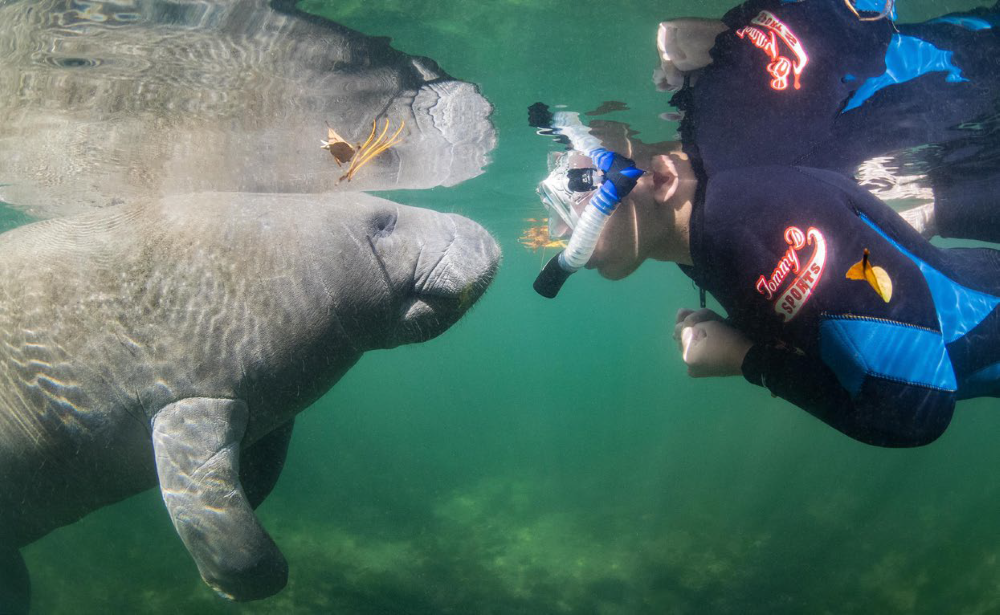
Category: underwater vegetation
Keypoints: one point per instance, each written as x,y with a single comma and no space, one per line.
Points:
509,544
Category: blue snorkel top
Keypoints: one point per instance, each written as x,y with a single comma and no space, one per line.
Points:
618,176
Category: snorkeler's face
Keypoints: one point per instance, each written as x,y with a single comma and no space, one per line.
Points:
638,226
618,252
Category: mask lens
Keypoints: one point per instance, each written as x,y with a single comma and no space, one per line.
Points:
557,228
566,190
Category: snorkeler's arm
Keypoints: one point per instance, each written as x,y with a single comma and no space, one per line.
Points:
868,358
809,384
885,414
795,377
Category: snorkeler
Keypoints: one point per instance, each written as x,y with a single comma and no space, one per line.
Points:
835,303
832,83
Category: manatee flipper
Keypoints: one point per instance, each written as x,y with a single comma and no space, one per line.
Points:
15,586
196,442
261,464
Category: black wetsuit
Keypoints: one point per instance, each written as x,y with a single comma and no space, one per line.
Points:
809,83
774,244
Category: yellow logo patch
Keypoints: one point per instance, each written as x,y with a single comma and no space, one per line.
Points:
877,277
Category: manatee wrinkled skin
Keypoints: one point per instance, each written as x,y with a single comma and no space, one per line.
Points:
174,343
104,103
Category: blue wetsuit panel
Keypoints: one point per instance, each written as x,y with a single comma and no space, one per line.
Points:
856,348
959,309
906,59
984,383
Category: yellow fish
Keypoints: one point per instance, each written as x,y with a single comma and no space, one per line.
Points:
877,277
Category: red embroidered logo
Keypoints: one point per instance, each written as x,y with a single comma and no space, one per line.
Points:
788,303
766,39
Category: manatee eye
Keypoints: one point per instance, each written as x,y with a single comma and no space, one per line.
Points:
73,62
383,225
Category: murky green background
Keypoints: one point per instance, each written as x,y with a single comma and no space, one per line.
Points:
552,456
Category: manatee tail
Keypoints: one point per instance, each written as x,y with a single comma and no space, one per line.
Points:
15,586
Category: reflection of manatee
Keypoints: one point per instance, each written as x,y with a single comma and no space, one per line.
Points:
104,102
176,342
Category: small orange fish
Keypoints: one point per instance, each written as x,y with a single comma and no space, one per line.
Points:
877,277
537,237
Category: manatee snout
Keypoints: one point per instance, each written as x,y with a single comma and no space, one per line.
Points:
463,268
454,266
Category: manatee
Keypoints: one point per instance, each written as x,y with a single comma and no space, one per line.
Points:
173,344
104,103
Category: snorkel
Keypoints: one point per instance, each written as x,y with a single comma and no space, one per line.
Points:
618,177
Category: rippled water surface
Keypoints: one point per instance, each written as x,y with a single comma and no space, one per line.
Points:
551,456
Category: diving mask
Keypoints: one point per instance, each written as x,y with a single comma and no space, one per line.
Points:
564,192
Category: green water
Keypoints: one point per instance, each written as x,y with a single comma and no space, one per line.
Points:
530,462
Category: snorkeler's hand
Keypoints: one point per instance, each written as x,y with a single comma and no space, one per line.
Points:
708,346
683,45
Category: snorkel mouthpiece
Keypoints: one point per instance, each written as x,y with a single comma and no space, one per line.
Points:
551,278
